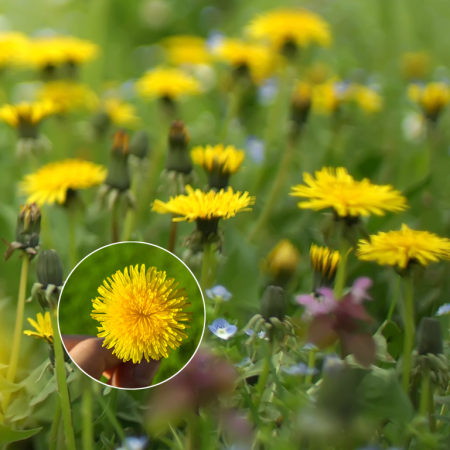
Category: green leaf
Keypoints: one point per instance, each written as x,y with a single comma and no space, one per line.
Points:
7,386
107,444
49,388
19,408
382,353
7,435
383,396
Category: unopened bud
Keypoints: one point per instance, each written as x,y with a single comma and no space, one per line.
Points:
301,105
282,262
49,268
178,157
118,171
28,225
273,303
429,337
139,144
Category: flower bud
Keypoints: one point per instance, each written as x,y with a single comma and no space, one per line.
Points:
301,105
324,262
273,303
429,337
139,144
282,262
49,268
118,171
178,157
101,122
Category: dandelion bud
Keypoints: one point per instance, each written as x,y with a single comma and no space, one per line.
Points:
118,172
429,337
178,157
101,122
139,144
301,105
49,268
282,263
273,303
324,262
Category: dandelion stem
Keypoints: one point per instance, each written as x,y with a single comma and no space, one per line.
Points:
130,218
311,365
115,223
409,331
424,397
394,300
262,381
173,235
341,274
204,282
62,384
280,180
86,407
18,329
55,426
72,239
234,98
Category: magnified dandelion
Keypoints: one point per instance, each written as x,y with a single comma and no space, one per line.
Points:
141,314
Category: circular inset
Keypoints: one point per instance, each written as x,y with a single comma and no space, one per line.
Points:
131,315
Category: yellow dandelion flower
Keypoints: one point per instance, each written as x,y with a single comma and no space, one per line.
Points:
205,205
335,188
368,100
121,113
25,113
259,60
53,51
43,327
328,97
404,247
68,95
432,97
318,73
167,83
299,27
11,46
283,258
324,262
302,96
51,182
187,50
226,160
141,314
415,65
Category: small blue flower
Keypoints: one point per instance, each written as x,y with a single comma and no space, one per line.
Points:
267,91
214,40
300,369
310,347
444,309
219,293
331,364
250,332
222,329
255,148
134,443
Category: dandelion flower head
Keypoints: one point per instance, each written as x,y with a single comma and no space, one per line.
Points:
402,247
186,50
43,327
27,113
337,189
141,314
225,158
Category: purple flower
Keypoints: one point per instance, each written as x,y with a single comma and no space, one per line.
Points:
300,369
219,293
222,329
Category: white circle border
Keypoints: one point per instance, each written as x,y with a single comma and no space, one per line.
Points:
193,276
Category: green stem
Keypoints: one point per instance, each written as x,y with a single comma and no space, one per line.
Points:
72,239
113,420
424,394
216,308
88,432
55,427
62,384
115,223
205,266
262,381
311,365
172,235
193,432
18,329
341,274
232,110
394,300
409,331
279,182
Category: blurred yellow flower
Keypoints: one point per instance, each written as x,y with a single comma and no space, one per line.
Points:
51,182
283,258
53,51
368,100
259,60
43,327
68,95
302,95
187,50
432,97
329,96
205,205
415,65
120,112
167,83
25,113
324,261
284,27
335,188
318,73
141,314
11,47
404,247
225,160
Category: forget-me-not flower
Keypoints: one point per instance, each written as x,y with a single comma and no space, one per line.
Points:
222,329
